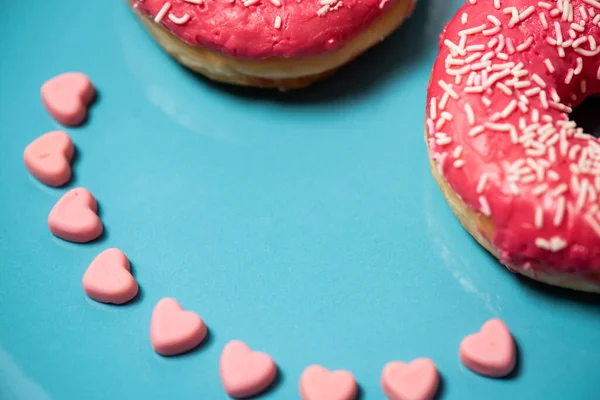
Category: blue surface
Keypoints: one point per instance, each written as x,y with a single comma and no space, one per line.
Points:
306,224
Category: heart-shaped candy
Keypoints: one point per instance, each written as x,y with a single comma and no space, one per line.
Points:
245,373
67,96
173,330
317,383
48,158
108,278
74,217
491,351
417,380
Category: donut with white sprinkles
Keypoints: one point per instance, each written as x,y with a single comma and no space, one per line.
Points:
521,176
269,43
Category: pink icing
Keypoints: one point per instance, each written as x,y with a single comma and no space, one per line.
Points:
491,351
417,380
108,278
262,29
74,217
245,373
317,383
173,330
66,97
48,158
505,80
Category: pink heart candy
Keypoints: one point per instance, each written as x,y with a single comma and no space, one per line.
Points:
417,380
108,278
48,158
245,373
491,351
317,383
173,330
74,217
67,96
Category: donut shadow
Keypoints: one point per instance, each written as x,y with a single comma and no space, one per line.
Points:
396,55
586,115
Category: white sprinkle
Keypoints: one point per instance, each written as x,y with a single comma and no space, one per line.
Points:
163,11
448,89
470,114
491,31
579,67
472,57
249,3
457,151
475,47
593,3
502,56
179,21
544,99
580,41
539,80
442,103
453,47
538,190
545,5
497,4
458,163
493,41
510,46
509,109
526,13
507,91
485,207
476,130
277,25
463,18
543,20
494,20
487,102
539,217
560,211
471,31
559,190
532,91
433,109
569,76
481,184
276,3
525,45
194,1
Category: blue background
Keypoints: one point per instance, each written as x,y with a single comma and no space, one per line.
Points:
305,224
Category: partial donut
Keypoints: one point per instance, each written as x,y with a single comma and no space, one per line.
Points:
522,178
284,44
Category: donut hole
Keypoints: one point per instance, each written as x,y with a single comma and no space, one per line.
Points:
586,115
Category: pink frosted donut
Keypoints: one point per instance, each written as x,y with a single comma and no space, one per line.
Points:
523,179
269,43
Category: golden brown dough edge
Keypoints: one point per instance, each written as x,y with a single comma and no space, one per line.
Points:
482,227
275,72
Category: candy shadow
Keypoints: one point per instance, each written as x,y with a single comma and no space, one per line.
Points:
277,383
205,345
441,388
395,55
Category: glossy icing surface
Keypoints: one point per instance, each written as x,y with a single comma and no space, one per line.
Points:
259,29
498,103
